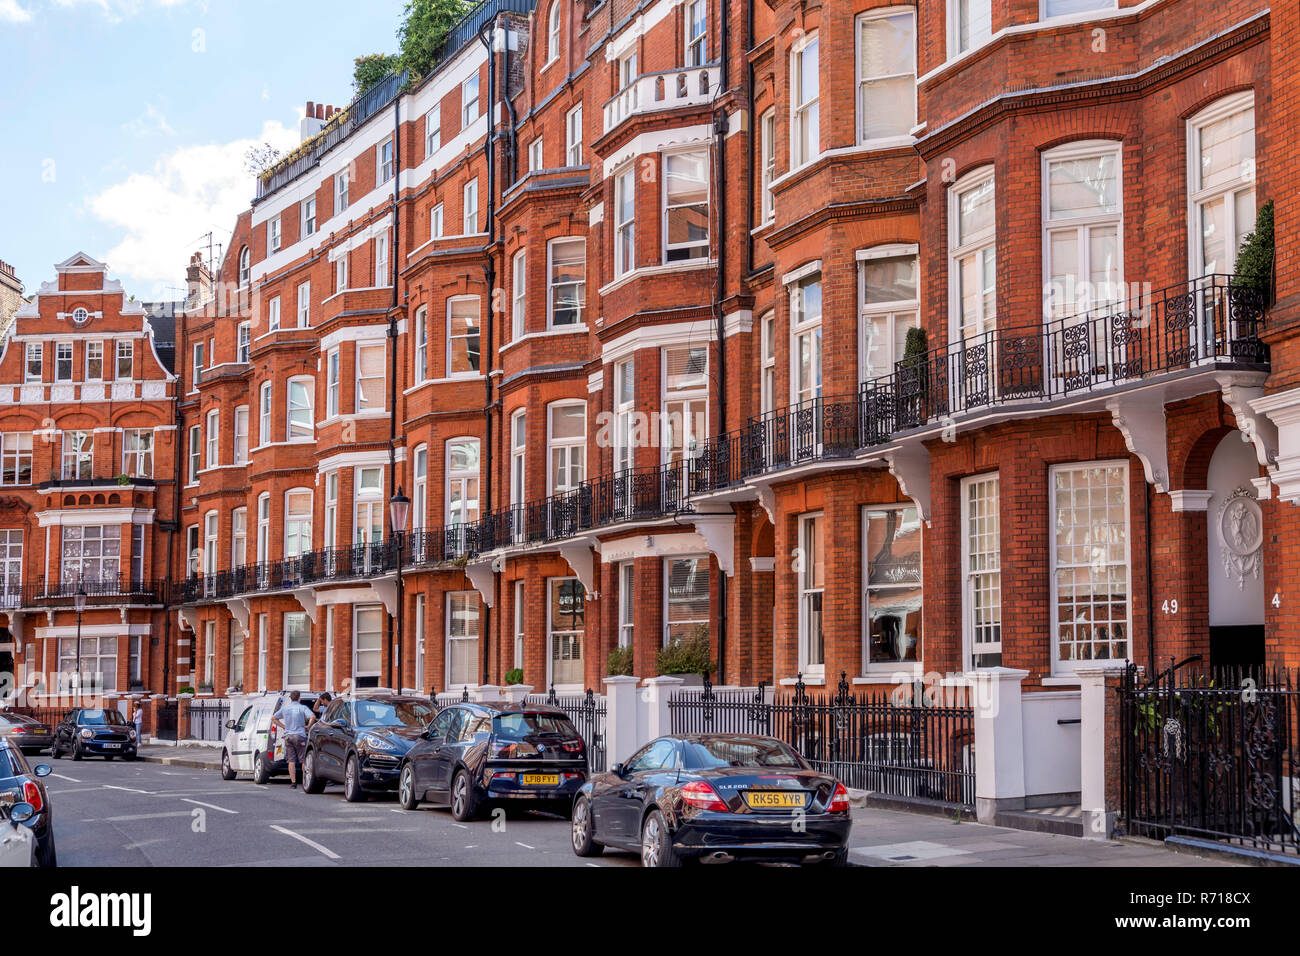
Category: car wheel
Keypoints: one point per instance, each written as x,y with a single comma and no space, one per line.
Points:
656,844
47,856
311,781
55,753
462,798
109,756
76,751
406,789
261,769
352,791
227,771
583,844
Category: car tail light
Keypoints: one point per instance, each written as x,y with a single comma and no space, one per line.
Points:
839,800
700,794
573,776
503,775
572,746
32,795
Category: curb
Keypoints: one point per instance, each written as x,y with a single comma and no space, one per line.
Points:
180,762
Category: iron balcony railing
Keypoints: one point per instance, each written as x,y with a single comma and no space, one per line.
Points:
1208,323
106,589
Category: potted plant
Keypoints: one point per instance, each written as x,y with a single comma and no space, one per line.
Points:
619,662
1255,258
514,676
913,379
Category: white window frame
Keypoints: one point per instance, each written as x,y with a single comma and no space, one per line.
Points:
1219,110
551,633
273,235
666,571
195,448
375,611
519,635
433,131
573,136
264,412
767,159
299,617
125,353
273,313
301,525
77,454
16,450
624,400
553,288
800,110
472,372
421,344
868,665
435,222
469,208
553,27
196,367
968,575
518,467
1098,6
304,305
239,537
241,435
382,377
245,266
308,216
341,273
627,603
383,278
469,91
1062,668
307,428
471,600
519,293
624,229
691,249
696,52
802,324
695,404
243,343
213,420
862,81
333,382
94,353
138,461
342,185
569,444
384,161
980,245
461,480
806,589
893,313
1082,226
535,155
63,362
976,38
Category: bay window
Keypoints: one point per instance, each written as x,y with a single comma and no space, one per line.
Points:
469,209
970,24
518,468
626,603
686,205
421,344
239,538
91,554
370,377
368,506
567,441
463,335
367,645
767,363
685,401
78,455
1082,228
301,425
264,411
214,438
886,74
462,480
333,382
137,452
16,458
972,257
297,522
805,139
519,294
806,338
241,435
624,415
195,456
888,284
566,294
297,651
624,222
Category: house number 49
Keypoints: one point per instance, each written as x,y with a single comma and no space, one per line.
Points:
1171,606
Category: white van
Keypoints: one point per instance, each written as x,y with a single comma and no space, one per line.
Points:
252,745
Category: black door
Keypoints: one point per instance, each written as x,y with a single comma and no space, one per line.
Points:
623,806
424,755
1237,645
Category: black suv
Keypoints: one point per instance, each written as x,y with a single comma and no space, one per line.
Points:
475,754
360,742
94,732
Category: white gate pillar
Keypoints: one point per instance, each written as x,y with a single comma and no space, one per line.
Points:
999,741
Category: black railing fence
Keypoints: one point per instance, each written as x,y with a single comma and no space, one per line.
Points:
588,713
906,745
207,719
1211,754
1208,323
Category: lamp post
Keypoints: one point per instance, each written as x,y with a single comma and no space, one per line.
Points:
399,508
79,603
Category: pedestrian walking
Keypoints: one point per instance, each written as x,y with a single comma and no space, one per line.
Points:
137,718
294,719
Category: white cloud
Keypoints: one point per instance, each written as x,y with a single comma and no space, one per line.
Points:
11,12
163,211
149,122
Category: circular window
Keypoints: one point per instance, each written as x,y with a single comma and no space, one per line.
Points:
80,316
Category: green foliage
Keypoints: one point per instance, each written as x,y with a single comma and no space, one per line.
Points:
619,663
687,655
1255,258
515,676
370,69
187,689
425,24
916,345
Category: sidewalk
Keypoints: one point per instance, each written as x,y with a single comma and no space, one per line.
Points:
181,755
899,838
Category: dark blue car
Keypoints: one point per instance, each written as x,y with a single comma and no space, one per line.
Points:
360,742
94,732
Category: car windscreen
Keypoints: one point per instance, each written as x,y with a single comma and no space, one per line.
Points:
519,726
712,753
101,718
382,713
13,763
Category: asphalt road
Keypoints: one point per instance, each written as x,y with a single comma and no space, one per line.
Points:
138,814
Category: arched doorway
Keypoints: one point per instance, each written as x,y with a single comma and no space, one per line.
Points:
1235,525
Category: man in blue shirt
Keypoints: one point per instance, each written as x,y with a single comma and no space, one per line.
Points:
294,719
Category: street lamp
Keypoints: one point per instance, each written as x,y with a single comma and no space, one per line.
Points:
399,508
79,603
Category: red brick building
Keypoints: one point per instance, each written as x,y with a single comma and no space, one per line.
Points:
620,298
87,490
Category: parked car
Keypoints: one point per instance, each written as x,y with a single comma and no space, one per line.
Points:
360,742
17,842
19,783
29,733
94,732
715,797
478,754
253,745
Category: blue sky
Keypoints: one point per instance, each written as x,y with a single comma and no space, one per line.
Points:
124,122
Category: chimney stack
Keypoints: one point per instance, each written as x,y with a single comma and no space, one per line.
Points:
198,282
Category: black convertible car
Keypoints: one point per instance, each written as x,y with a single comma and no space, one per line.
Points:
715,798
360,742
480,754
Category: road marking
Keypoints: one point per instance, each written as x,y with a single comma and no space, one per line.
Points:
210,806
109,786
311,843
525,845
53,792
64,776
461,825
149,816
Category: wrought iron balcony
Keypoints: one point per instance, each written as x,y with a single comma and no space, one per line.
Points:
1208,324
113,589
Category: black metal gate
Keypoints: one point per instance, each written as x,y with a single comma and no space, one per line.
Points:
1210,754
207,719
588,712
165,720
